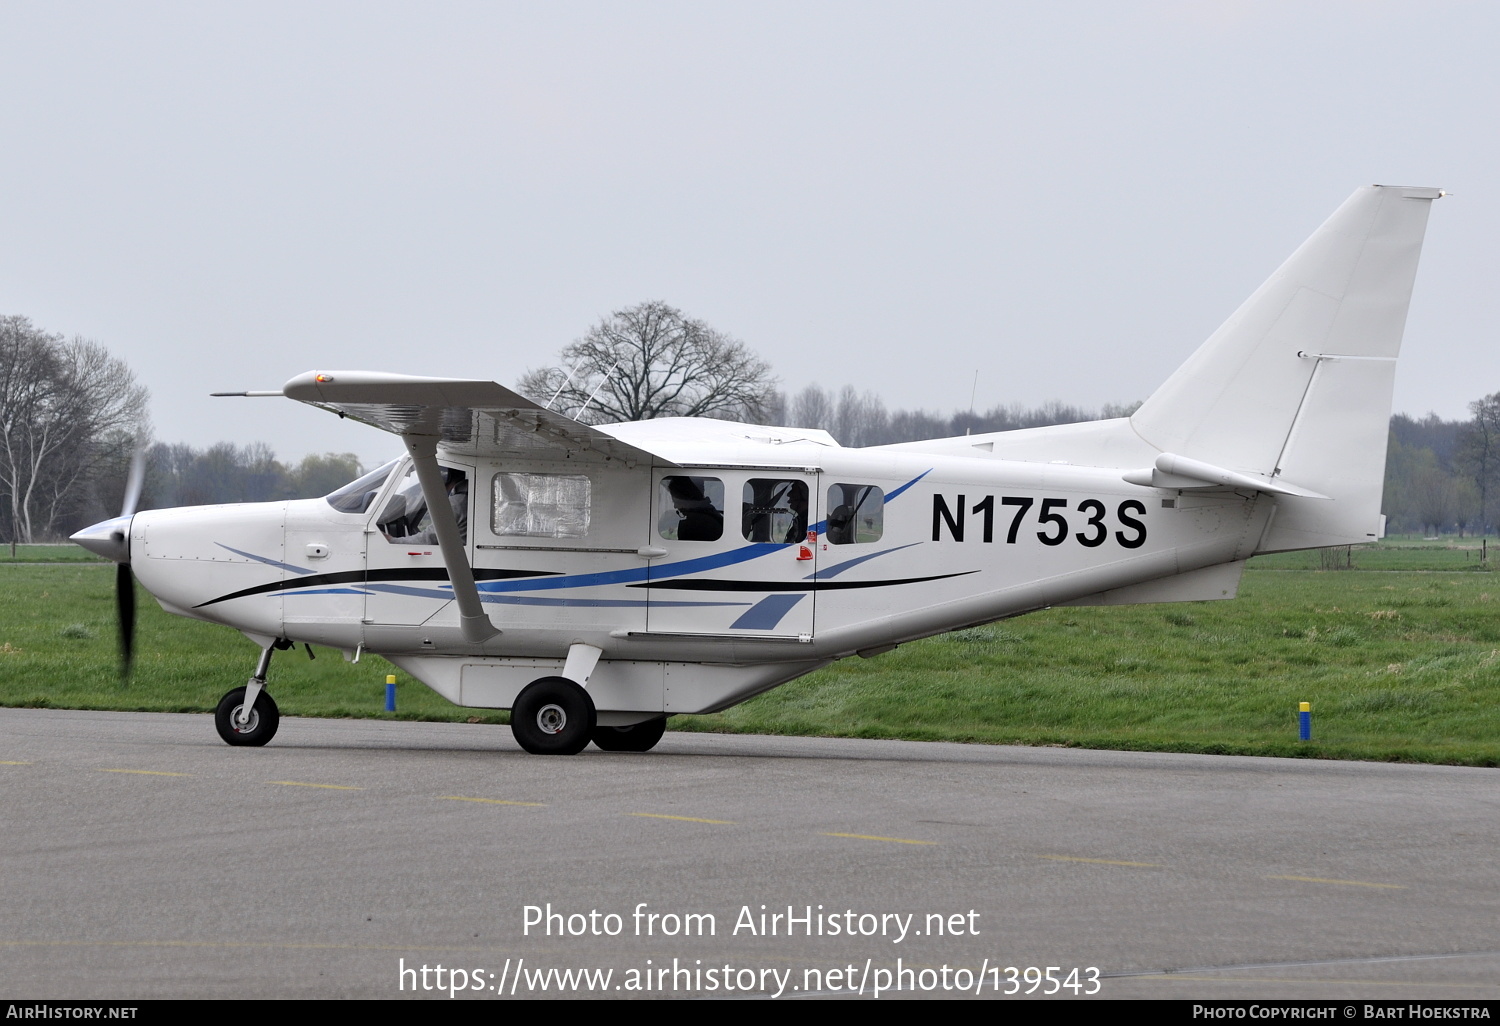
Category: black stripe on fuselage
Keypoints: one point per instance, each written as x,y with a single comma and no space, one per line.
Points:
373,577
700,584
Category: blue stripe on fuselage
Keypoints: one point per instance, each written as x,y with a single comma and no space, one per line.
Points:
647,574
640,574
635,575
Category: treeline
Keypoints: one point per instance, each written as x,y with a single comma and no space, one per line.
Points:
1443,476
859,419
72,416
180,475
1434,467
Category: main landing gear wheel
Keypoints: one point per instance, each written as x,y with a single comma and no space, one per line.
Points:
264,719
553,716
638,737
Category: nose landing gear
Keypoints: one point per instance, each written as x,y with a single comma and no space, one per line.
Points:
248,716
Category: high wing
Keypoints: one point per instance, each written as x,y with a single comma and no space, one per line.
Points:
482,418
466,417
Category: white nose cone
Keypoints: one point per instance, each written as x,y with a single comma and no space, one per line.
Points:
109,538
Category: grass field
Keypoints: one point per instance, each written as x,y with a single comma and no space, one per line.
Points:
1398,663
63,553
1452,554
59,648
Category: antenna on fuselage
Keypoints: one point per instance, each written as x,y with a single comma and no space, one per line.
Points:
969,427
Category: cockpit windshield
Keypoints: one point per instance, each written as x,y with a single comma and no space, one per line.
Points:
356,496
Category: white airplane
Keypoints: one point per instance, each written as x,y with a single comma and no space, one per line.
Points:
596,580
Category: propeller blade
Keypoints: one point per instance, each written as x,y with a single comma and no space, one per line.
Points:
134,480
125,608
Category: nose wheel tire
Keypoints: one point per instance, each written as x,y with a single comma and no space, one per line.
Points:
638,737
553,716
264,719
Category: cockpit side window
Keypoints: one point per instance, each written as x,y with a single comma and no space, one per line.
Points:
356,496
405,520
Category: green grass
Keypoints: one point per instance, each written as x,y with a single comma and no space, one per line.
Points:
59,649
1449,555
1398,665
65,552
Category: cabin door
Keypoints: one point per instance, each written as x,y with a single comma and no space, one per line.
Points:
736,556
406,580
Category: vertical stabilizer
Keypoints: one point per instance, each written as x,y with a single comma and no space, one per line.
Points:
1297,383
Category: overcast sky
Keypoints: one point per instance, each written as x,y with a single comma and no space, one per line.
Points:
1066,197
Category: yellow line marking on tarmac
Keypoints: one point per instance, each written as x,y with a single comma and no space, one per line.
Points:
147,773
488,801
872,837
303,783
685,819
1343,883
15,763
1103,862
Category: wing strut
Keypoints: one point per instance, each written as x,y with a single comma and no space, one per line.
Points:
472,618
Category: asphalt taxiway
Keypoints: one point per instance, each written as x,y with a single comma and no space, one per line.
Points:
143,858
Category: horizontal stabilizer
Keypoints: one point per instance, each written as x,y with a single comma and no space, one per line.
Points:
1182,473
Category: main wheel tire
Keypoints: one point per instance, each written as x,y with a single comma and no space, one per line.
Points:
553,716
264,719
638,737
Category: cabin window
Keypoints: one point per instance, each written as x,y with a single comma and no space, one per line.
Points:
856,514
405,520
775,510
541,505
692,508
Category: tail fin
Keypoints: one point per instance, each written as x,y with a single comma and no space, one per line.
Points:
1297,383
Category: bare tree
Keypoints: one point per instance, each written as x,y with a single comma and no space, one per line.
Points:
67,408
1478,453
1436,498
811,408
651,361
862,419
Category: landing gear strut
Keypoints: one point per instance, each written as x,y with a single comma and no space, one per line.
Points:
248,716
